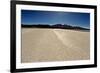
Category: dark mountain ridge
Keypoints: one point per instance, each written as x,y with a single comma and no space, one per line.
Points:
61,26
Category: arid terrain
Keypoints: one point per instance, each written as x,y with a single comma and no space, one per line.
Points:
44,45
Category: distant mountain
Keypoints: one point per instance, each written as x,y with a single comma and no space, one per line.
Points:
61,26
65,26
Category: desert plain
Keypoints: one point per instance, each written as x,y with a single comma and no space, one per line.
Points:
46,45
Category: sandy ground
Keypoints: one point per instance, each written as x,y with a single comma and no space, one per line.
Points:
43,45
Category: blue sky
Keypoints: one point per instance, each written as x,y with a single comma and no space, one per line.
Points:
29,17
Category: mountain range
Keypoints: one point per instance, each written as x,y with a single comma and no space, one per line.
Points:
61,26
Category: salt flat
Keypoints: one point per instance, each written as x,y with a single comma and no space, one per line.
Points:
43,45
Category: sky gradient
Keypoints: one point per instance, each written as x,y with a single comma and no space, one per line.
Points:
29,17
